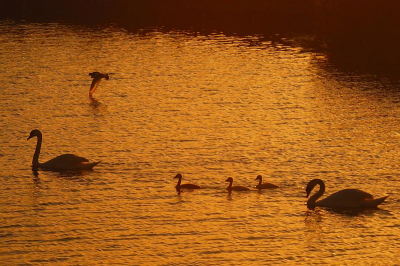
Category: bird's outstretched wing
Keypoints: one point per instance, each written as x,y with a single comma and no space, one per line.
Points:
95,82
94,74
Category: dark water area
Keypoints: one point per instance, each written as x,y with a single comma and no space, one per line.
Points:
237,16
362,35
357,35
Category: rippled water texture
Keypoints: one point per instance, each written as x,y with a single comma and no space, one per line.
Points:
209,107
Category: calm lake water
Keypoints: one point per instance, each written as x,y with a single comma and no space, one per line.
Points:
208,107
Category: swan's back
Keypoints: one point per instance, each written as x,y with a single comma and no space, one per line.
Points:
68,162
69,159
238,188
351,194
266,186
189,186
348,198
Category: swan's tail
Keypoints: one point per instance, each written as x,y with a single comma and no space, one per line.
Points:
373,203
89,166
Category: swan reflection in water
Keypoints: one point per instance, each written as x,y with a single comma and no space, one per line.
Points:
97,77
346,198
65,162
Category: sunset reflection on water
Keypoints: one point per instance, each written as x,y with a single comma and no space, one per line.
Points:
206,106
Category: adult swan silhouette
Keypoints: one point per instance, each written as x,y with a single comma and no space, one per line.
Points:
63,162
346,198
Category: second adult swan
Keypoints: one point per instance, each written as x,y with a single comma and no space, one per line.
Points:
346,198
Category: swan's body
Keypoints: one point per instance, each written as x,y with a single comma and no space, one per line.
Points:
346,198
180,186
63,162
262,185
96,76
235,188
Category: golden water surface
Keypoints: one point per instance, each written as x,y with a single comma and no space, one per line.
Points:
208,107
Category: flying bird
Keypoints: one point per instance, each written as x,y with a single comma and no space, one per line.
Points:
96,76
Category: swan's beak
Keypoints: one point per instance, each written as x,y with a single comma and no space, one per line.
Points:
29,137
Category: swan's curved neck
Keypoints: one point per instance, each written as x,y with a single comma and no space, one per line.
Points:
259,181
230,184
312,200
179,182
35,160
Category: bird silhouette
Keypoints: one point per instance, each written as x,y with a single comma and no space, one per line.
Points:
97,77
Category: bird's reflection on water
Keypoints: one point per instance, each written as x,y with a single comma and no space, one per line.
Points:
62,174
94,102
351,212
229,196
97,106
36,179
35,172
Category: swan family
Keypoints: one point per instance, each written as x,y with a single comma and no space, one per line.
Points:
346,198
